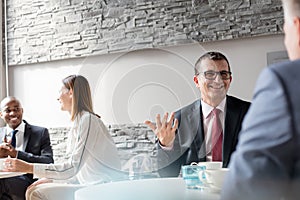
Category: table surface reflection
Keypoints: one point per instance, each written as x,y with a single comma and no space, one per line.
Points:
146,189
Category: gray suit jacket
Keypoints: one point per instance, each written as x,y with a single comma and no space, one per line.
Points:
266,164
189,144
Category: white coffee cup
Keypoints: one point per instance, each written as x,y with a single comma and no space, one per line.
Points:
213,178
210,165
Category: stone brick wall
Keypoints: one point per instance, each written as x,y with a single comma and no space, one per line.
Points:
46,30
131,140
58,137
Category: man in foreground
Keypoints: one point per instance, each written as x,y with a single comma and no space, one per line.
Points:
266,164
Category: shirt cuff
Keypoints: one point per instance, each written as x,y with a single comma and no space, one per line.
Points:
38,170
167,148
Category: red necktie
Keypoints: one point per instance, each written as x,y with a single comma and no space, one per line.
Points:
217,136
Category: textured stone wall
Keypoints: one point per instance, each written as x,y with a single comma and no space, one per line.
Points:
58,137
131,140
45,30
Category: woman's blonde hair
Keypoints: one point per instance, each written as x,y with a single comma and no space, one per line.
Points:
82,98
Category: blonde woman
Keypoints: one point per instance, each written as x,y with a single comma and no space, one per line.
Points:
92,155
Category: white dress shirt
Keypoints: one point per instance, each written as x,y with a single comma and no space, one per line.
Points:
207,124
19,136
92,155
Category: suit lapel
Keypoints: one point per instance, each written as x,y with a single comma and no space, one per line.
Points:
198,151
231,120
26,134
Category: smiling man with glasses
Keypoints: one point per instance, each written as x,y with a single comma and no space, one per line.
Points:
206,130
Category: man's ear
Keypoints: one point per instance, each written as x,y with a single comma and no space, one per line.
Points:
196,81
296,21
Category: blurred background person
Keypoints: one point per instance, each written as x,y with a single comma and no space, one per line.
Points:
23,141
92,154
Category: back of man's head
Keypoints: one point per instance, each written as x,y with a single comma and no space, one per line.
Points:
291,8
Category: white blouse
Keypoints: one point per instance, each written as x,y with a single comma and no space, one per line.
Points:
92,155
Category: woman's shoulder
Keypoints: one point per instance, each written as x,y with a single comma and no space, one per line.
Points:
86,116
90,119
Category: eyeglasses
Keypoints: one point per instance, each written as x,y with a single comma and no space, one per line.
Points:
8,110
211,75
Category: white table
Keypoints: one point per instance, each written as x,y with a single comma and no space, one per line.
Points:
10,174
144,189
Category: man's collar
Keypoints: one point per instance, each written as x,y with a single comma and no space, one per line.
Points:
21,127
206,108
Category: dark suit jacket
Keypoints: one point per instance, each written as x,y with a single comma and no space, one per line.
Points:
37,149
189,144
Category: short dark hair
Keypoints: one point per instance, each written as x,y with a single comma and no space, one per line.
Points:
212,55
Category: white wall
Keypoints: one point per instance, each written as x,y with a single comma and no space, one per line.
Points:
134,86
